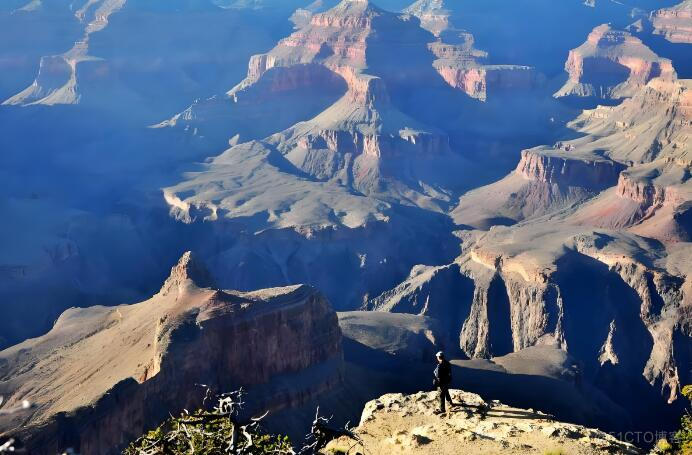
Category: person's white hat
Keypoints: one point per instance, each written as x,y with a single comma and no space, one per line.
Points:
440,354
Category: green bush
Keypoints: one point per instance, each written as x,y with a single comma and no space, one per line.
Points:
683,438
664,446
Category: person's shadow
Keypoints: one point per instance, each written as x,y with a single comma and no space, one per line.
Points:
486,410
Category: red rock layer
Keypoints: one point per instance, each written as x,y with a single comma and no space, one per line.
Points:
675,24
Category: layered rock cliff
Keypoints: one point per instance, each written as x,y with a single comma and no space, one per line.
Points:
674,24
612,64
396,423
102,376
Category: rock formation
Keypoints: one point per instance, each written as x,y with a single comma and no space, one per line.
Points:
396,423
612,64
102,376
459,67
56,82
674,24
462,66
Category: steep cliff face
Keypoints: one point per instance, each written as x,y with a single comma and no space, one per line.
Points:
358,45
675,24
481,81
396,423
612,64
114,373
562,168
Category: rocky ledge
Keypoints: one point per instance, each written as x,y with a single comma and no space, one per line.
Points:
396,423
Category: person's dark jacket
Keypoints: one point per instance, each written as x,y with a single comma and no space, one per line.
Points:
443,374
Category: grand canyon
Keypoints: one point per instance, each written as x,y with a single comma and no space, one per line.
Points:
309,200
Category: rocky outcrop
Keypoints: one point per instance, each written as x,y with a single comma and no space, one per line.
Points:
612,64
56,82
643,140
396,423
594,174
674,24
481,81
114,373
461,65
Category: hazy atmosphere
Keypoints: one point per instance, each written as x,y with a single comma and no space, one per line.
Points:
355,205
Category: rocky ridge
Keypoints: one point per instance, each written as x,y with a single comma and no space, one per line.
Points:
396,423
612,64
117,372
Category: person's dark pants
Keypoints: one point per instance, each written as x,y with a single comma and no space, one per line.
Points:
444,396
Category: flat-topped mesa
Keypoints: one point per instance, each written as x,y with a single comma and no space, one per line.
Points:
115,373
612,64
675,23
478,81
561,167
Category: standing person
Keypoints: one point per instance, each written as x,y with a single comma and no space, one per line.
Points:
443,379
